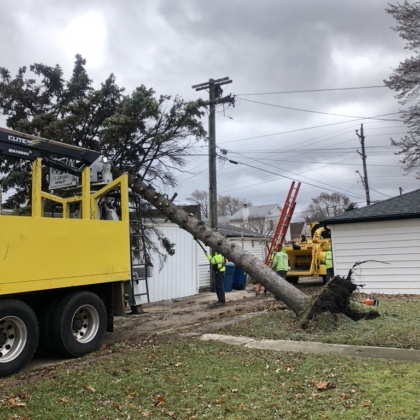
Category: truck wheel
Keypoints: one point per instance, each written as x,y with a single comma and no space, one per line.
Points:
44,319
324,279
293,279
18,335
78,324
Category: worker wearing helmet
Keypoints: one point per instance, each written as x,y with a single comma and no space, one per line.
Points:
218,263
281,263
328,261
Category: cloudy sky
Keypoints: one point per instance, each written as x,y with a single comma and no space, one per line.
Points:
305,75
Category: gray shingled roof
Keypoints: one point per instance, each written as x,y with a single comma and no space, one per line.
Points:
406,206
230,231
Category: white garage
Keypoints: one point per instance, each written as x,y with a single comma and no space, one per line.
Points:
388,234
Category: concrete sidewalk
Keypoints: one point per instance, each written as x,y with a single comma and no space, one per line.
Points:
318,348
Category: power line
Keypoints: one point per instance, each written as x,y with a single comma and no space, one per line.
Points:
288,177
319,112
305,129
310,90
386,195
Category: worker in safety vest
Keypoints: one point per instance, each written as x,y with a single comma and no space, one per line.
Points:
218,263
281,263
328,261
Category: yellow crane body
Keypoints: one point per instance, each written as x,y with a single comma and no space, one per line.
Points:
39,253
66,264
43,253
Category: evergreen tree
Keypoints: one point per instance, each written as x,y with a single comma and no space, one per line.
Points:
405,81
147,136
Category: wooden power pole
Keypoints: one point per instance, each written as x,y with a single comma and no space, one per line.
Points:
215,93
363,155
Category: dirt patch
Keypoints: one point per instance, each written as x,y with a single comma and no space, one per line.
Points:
188,313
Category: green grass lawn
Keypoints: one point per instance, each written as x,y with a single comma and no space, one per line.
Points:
184,378
209,380
397,326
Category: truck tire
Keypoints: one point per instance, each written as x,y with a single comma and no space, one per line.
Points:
324,279
293,279
77,324
44,314
19,334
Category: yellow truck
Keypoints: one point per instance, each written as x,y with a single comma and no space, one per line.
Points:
306,254
62,279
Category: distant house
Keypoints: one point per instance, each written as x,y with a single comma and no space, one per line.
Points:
386,233
261,219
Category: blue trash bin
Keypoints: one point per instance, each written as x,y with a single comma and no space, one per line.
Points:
239,279
229,270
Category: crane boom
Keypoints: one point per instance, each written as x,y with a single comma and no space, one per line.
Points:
28,147
61,157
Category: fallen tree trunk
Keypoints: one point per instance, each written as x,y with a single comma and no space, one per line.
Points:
290,295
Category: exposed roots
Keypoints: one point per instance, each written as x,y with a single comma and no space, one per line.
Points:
336,298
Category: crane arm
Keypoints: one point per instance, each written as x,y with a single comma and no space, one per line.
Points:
28,147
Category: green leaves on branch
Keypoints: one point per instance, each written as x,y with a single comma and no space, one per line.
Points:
146,135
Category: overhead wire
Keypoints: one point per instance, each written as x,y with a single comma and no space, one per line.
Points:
303,129
288,177
311,90
319,112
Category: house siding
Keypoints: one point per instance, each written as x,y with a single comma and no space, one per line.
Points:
393,245
203,268
178,276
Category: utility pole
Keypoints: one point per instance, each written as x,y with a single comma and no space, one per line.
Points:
215,93
363,155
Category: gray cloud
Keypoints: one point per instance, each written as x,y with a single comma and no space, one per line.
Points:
263,46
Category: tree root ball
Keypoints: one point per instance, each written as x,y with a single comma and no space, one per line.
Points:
335,297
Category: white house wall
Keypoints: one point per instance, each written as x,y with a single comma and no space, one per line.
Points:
396,243
178,276
203,268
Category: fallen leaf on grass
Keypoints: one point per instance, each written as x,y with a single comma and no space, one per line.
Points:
90,389
131,396
117,405
15,402
323,386
160,400
24,396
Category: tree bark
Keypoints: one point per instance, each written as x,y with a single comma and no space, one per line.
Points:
290,295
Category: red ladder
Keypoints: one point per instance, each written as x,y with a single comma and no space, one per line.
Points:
283,225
